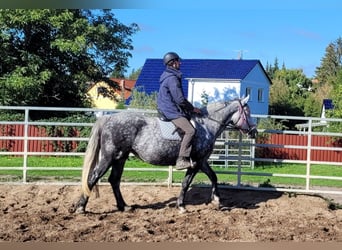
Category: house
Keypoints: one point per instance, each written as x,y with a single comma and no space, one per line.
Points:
216,79
107,94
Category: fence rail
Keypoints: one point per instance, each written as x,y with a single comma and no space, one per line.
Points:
237,153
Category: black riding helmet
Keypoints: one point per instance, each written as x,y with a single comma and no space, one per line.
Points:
170,56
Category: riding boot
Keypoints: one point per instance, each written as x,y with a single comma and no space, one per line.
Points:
183,163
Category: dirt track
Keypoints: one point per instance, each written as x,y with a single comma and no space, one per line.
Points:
41,213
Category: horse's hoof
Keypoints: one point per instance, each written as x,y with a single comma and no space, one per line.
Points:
126,209
215,199
225,208
181,210
79,210
76,209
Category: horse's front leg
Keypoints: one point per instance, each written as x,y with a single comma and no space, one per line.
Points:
215,196
189,176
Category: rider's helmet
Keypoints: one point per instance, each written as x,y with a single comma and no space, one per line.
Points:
170,56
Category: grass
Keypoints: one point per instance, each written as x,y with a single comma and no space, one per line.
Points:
161,176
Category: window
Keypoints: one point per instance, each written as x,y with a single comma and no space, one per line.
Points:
260,95
249,92
102,91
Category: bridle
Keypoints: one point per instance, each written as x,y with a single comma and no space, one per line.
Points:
230,124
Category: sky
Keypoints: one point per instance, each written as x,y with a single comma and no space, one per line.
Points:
294,32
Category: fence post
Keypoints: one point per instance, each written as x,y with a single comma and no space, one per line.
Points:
170,178
226,148
308,156
25,145
252,152
239,161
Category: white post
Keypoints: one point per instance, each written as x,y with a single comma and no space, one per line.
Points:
239,161
252,152
226,148
25,145
308,156
170,178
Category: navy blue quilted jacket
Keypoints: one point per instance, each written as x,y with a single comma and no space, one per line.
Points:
171,101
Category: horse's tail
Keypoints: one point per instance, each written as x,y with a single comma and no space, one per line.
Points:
91,157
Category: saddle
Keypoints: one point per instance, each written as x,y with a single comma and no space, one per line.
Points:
169,131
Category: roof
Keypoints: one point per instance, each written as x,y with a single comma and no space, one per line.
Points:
234,69
128,85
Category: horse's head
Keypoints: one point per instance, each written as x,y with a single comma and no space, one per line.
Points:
233,114
242,120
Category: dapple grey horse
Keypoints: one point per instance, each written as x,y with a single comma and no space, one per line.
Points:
114,137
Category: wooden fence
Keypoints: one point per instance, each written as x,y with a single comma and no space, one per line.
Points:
317,141
15,144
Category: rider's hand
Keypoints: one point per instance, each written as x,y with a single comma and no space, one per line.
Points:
197,111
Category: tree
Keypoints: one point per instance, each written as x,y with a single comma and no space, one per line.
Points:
141,100
291,94
336,94
204,98
134,74
48,56
279,95
331,63
336,112
270,70
291,88
329,75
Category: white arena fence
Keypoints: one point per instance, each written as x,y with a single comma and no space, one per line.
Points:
233,155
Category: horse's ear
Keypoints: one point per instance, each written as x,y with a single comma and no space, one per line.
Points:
244,100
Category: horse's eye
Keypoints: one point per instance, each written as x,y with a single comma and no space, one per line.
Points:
247,110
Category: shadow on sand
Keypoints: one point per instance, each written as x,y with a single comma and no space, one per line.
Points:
230,198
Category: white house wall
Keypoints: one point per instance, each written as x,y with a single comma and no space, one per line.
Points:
217,90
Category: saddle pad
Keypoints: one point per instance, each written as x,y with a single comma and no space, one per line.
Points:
168,130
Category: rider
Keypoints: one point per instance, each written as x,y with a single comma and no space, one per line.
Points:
173,106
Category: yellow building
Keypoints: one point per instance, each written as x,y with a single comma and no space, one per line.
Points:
107,95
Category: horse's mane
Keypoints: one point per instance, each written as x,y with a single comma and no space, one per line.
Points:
214,105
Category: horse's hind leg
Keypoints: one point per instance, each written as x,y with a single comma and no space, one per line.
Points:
94,177
114,179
